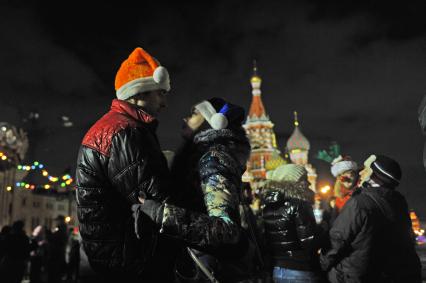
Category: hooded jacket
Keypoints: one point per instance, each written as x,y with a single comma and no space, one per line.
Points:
119,159
208,170
371,239
290,224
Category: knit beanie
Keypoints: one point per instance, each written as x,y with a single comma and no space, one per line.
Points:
287,173
342,164
384,169
221,114
140,73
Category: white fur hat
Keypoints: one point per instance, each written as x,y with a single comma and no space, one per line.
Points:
341,165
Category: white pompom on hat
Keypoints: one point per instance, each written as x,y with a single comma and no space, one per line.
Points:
343,164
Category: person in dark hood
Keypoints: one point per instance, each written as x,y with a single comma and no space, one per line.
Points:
290,227
372,238
207,170
119,159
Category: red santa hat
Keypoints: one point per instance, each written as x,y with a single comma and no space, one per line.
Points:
140,73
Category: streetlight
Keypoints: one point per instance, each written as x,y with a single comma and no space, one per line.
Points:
325,189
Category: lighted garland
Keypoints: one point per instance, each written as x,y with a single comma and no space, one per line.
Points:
66,179
38,166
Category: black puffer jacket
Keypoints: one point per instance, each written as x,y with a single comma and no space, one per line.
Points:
119,159
372,240
205,213
290,225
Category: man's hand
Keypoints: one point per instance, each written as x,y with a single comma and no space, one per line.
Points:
150,209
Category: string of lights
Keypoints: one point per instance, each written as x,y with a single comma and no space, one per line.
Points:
63,181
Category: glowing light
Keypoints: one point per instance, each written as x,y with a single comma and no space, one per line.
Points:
325,189
53,179
36,163
68,182
3,157
1,153
18,184
27,186
33,167
63,185
9,188
32,187
19,167
45,173
41,166
67,219
46,187
22,184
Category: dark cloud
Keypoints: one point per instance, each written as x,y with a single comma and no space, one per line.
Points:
353,70
393,20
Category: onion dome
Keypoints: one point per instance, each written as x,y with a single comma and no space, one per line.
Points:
297,140
257,109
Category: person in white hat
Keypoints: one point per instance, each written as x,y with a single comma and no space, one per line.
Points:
345,170
206,176
372,238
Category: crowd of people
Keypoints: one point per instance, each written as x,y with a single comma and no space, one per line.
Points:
143,218
144,221
45,256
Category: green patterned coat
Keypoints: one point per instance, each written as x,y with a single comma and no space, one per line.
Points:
208,183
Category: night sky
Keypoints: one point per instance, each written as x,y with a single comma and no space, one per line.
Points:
354,70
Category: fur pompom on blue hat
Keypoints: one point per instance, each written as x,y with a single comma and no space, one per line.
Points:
221,114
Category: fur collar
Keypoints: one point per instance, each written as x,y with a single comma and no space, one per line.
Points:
232,141
210,136
277,191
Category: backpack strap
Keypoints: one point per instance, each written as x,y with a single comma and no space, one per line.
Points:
202,267
382,205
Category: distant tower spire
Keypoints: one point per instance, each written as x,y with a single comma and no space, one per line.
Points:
254,68
296,119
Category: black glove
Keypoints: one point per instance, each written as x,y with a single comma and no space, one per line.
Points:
149,211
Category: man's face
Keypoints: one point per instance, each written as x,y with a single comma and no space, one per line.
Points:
348,179
152,102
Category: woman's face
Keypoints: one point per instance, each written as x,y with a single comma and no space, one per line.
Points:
192,123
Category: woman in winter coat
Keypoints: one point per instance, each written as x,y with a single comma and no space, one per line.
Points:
207,170
290,227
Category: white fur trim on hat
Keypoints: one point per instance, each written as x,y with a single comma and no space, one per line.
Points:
343,166
206,109
216,120
159,81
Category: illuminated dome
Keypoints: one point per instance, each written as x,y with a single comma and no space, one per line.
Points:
297,140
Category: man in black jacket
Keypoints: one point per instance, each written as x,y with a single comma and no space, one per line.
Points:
372,238
119,160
